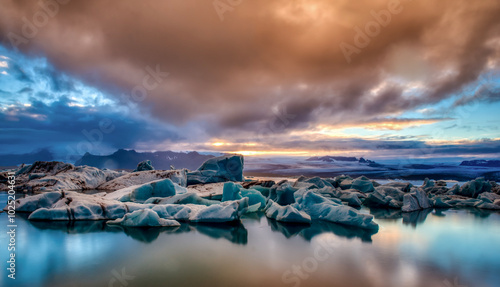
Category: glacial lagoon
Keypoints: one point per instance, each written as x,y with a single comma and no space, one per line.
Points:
426,248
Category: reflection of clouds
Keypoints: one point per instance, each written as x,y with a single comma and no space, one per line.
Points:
399,255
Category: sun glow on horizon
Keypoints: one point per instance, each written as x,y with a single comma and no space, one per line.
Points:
258,152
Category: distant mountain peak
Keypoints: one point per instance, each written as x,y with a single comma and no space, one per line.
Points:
43,154
481,162
329,158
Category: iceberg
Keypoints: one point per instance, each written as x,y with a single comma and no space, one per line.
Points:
282,193
73,206
186,198
143,218
209,190
336,181
352,199
403,186
362,184
225,212
41,176
385,197
416,200
321,208
44,167
438,202
474,187
144,165
218,169
313,182
222,212
77,206
34,202
233,191
286,213
140,193
141,177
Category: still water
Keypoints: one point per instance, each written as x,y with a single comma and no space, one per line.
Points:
433,248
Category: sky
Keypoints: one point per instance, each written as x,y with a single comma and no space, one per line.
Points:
377,78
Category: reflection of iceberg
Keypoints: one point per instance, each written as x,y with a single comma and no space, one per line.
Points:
318,227
386,213
439,212
481,213
416,217
253,216
74,227
236,232
148,234
287,229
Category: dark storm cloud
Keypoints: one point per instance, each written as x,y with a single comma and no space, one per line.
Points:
62,126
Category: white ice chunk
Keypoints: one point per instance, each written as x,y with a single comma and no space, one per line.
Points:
144,218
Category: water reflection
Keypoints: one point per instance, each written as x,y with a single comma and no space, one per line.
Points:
385,213
233,232
308,232
236,233
289,230
447,244
416,217
147,234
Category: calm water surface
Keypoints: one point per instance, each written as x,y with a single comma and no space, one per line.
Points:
433,248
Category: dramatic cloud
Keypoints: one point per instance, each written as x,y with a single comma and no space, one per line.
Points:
265,68
75,129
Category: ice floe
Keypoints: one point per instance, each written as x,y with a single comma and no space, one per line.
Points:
141,193
218,169
140,177
144,218
144,165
